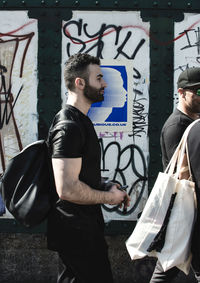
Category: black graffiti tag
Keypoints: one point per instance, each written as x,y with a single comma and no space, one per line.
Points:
97,38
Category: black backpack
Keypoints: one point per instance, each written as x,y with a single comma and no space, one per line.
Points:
27,185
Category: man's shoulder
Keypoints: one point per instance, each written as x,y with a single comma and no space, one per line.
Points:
68,116
177,119
68,113
66,122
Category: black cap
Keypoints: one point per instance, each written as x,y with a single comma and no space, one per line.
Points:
188,78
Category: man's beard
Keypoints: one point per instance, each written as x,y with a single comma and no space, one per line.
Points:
93,94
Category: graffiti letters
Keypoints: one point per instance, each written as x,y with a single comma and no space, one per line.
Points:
134,155
9,45
120,42
193,39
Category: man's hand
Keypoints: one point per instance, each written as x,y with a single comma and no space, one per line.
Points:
119,196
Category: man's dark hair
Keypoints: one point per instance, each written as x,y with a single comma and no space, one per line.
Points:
77,66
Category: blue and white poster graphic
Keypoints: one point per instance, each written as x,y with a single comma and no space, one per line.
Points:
114,112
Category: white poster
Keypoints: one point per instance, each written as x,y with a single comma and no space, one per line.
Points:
121,41
18,83
186,46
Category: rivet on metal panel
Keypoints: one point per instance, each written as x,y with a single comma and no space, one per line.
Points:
4,2
155,128
23,2
57,2
152,176
135,3
42,62
189,4
42,79
55,61
155,3
41,110
57,14
116,3
169,4
41,94
76,3
153,144
42,2
96,2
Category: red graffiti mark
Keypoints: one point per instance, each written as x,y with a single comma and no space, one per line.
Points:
137,27
176,38
187,30
16,30
7,101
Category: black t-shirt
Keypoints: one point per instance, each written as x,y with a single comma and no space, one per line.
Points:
171,134
193,142
77,138
70,222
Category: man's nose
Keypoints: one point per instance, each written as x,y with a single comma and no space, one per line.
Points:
104,83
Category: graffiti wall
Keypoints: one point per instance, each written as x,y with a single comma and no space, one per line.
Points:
121,41
187,46
18,83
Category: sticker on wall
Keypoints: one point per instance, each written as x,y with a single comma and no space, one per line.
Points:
113,113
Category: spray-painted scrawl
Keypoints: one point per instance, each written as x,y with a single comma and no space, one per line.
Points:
187,46
121,41
18,83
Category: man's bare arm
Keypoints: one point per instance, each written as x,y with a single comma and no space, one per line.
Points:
69,187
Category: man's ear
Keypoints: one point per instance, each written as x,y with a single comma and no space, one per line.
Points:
80,83
181,92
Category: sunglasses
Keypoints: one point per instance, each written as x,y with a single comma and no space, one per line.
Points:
196,91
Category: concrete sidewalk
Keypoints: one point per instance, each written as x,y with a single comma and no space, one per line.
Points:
139,271
25,259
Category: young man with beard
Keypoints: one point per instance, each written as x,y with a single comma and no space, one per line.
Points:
76,226
187,111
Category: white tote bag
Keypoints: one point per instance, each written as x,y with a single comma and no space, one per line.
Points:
176,247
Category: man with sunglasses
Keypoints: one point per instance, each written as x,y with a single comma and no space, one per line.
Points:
187,111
